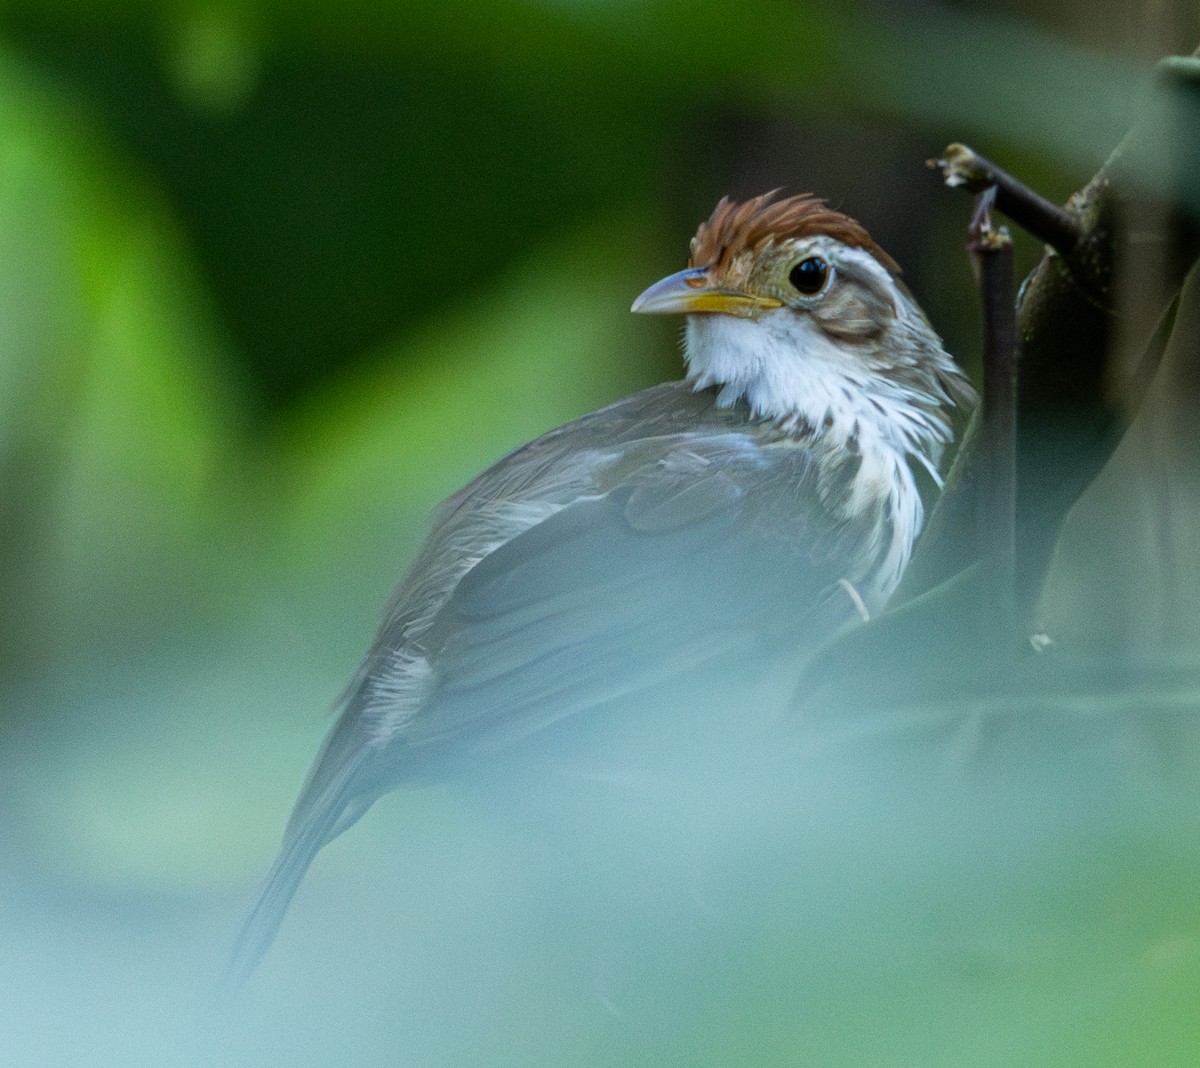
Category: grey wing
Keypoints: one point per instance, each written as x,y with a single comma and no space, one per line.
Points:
637,545
716,550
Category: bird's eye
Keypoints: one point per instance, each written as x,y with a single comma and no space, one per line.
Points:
809,276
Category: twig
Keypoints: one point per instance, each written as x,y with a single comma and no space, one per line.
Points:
991,249
963,166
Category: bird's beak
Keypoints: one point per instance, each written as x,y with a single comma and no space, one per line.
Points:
688,292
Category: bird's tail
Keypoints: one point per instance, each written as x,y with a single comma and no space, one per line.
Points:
315,822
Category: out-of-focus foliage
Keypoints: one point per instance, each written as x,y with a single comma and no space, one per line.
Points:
274,279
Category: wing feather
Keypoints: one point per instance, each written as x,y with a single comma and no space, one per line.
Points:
644,549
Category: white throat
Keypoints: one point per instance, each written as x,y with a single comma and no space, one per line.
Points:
791,373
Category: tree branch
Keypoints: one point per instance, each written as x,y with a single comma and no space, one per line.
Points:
1089,338
963,166
1093,319
991,249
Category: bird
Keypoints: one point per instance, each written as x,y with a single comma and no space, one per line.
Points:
716,528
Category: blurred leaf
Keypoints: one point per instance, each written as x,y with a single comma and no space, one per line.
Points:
215,59
335,199
343,169
114,426
578,47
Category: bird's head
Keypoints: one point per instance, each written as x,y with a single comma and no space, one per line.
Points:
793,308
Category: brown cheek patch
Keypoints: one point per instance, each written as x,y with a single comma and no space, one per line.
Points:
853,314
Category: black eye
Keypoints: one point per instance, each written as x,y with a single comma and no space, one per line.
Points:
809,276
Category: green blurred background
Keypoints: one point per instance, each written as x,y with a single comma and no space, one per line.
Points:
275,279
